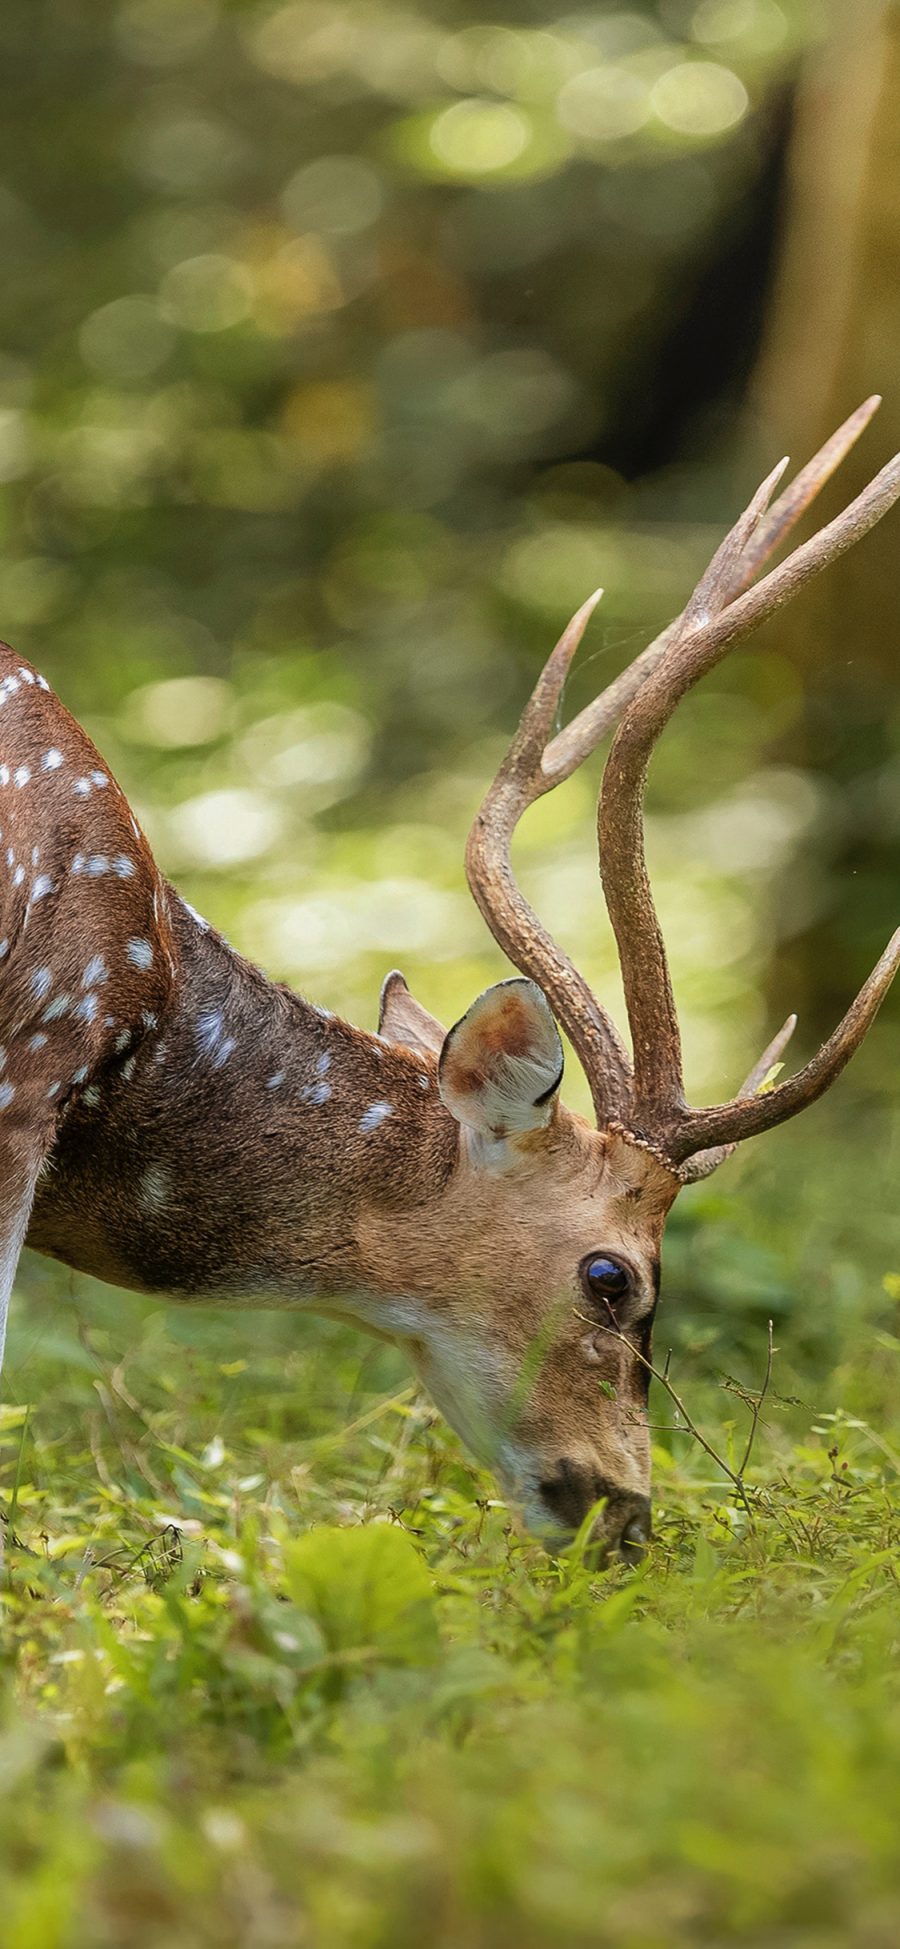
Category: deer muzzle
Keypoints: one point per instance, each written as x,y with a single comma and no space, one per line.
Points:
623,1525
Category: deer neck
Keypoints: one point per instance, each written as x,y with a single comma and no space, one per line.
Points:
232,1151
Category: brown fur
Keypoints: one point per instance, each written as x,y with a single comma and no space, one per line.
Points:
199,1131
515,1243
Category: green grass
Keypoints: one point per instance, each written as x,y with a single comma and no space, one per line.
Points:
278,1670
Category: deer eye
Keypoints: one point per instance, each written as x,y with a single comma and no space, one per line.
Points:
606,1278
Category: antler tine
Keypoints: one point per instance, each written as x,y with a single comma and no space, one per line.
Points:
765,1063
657,1108
656,1039
520,781
718,582
704,1162
730,1123
572,745
787,510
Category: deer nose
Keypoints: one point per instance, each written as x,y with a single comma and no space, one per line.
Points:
624,1525
635,1535
623,1530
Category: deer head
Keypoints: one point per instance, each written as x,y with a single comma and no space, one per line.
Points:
539,1260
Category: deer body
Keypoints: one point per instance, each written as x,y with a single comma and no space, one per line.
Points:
205,1131
173,1121
217,1155
185,1126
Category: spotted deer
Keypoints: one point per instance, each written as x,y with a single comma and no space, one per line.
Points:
173,1121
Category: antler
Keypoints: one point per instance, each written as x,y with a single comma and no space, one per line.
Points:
712,625
724,607
704,1162
522,779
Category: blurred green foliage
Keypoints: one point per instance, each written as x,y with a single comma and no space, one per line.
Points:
326,331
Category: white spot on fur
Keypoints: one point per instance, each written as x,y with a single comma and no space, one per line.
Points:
140,953
21,775
99,779
275,1082
18,876
122,1041
41,983
42,886
211,1038
323,1065
37,1042
154,1190
375,1115
124,868
27,676
4,949
316,1093
80,1075
4,774
54,1089
82,788
208,1030
97,865
7,1093
52,759
87,1009
95,972
128,1068
92,1096
60,1005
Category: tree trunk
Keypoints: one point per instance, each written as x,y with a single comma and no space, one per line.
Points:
833,338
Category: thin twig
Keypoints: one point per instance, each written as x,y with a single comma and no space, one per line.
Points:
675,1398
756,1400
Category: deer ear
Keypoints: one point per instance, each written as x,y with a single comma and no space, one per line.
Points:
502,1065
402,1019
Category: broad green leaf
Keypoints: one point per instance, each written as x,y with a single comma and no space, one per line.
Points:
367,1589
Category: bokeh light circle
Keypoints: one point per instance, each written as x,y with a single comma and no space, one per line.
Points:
699,98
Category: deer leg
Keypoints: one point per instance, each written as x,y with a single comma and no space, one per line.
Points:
22,1156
